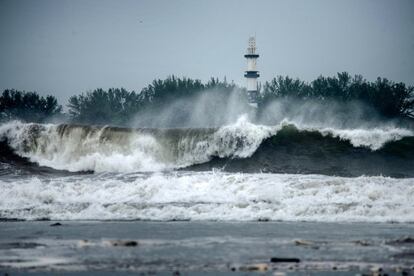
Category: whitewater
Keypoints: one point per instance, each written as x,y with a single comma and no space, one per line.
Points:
209,196
238,172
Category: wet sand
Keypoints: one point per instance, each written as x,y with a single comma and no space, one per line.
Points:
93,247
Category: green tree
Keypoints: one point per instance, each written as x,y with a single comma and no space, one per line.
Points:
114,106
389,99
119,107
27,106
161,92
284,87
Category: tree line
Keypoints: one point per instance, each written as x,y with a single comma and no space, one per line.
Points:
117,105
27,106
388,98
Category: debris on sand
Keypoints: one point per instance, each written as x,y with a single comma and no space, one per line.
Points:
362,243
127,243
255,267
116,243
402,240
284,260
303,242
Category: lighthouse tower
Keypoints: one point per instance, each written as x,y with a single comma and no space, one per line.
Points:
252,74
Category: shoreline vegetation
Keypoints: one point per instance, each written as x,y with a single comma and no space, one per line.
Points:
118,106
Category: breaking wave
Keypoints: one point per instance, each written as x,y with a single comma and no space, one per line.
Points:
243,147
83,148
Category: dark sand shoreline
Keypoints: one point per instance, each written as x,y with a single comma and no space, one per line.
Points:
85,247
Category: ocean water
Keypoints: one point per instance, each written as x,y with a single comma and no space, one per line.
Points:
206,199
238,172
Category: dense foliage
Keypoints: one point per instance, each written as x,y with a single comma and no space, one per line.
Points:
388,98
27,106
119,106
114,106
162,92
183,102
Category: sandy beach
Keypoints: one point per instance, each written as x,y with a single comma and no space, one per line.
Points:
78,247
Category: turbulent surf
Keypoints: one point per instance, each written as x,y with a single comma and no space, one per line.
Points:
242,171
241,147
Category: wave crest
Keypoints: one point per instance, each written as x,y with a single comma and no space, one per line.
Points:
100,149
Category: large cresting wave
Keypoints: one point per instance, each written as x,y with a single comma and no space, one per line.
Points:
241,147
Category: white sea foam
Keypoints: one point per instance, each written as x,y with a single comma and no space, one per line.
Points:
370,137
373,138
210,196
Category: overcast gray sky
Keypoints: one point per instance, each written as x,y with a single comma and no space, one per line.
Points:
67,47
